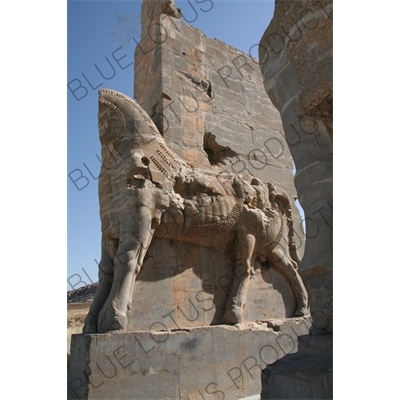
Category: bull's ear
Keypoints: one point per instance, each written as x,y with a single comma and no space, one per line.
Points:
112,123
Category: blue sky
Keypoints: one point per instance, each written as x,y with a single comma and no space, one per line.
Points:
90,46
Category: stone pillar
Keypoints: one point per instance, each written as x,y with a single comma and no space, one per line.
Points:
208,101
296,62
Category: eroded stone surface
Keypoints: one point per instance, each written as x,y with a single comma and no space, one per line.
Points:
191,296
208,101
296,62
307,374
150,192
181,364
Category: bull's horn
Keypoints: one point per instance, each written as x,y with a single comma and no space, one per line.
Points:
120,115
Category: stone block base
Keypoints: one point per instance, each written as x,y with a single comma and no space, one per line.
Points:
196,363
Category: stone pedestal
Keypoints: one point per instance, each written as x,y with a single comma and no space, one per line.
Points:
195,363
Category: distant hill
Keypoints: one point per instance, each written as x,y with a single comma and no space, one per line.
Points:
84,294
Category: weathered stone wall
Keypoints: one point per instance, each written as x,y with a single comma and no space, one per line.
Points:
204,94
296,62
304,375
189,286
195,363
208,100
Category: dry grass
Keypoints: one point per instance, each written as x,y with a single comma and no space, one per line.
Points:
75,320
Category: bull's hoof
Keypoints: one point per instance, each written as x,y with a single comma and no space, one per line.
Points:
302,312
233,316
111,319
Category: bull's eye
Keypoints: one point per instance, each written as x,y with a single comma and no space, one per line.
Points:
145,161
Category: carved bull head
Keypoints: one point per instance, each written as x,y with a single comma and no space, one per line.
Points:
128,135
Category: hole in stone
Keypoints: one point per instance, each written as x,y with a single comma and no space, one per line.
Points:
145,161
184,53
216,153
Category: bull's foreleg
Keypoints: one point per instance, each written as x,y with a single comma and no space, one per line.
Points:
282,260
106,265
243,270
136,233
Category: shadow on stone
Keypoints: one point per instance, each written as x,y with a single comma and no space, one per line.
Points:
307,374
